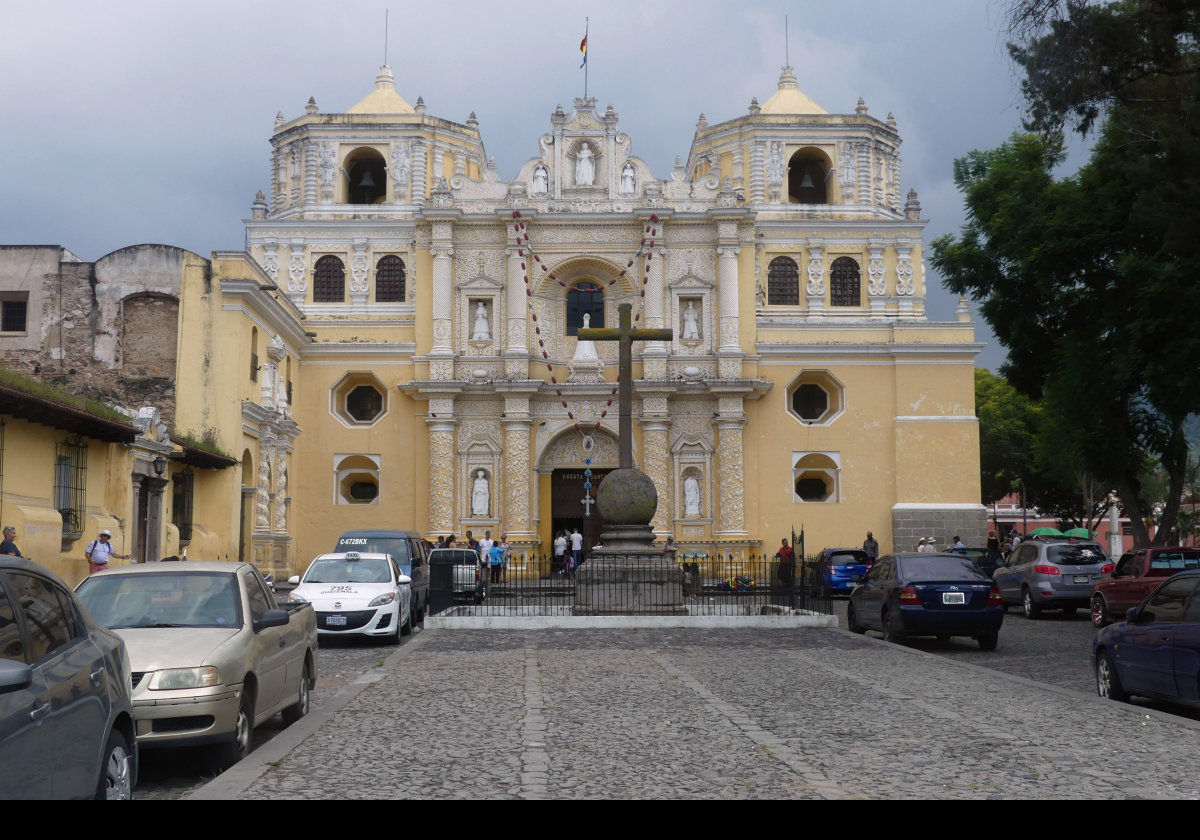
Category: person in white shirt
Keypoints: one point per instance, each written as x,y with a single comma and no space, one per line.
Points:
576,547
560,550
100,551
958,543
485,549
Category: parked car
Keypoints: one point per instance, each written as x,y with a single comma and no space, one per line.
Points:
1136,575
357,594
407,549
1155,651
940,595
987,559
66,711
213,653
467,580
1051,575
840,569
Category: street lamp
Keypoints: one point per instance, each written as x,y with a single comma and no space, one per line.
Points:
160,466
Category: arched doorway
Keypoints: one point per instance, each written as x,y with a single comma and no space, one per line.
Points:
562,483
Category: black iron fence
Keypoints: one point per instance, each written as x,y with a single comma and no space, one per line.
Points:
694,583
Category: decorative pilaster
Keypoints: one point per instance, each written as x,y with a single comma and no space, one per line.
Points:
262,499
517,478
656,459
441,365
816,279
876,279
420,173
297,271
516,352
730,349
359,270
311,159
280,523
906,286
757,175
730,471
654,357
441,469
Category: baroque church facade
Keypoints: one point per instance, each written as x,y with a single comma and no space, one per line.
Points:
396,345
445,387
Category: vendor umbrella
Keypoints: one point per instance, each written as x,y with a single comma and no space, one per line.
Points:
1046,532
1081,533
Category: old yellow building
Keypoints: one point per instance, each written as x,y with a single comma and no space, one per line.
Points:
397,345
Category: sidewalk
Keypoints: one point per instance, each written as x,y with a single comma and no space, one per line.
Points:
806,713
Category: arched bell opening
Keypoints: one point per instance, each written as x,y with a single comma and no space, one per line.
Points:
366,175
808,174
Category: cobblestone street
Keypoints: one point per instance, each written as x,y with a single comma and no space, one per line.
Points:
804,713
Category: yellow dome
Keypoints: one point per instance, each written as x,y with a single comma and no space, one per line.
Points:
789,100
384,99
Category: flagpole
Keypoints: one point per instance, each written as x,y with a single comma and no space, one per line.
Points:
586,22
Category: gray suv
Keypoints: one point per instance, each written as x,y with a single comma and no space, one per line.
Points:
1050,575
66,715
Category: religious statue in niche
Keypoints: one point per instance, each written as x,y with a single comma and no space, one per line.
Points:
482,330
691,322
541,180
691,496
481,496
585,166
628,180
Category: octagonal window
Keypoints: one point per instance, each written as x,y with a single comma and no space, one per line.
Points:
359,399
816,476
356,479
815,397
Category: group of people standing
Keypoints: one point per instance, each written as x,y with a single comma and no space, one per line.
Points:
493,554
566,560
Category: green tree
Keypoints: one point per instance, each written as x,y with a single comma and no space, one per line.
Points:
1008,426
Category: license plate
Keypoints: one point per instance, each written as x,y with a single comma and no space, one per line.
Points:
1082,578
954,598
335,621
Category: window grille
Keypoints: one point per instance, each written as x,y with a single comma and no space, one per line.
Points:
70,483
13,315
389,280
844,286
182,499
329,281
783,282
582,298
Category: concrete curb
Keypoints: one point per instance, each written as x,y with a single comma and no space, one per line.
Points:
629,622
1163,717
238,778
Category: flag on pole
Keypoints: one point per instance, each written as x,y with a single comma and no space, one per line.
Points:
583,48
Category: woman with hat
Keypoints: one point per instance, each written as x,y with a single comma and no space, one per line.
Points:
100,551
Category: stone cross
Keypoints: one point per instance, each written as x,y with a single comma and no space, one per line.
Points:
587,501
626,335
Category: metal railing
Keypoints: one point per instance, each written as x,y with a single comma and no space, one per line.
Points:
695,583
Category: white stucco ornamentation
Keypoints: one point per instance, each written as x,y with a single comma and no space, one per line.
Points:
328,169
876,284
401,165
297,268
270,262
905,284
816,270
359,268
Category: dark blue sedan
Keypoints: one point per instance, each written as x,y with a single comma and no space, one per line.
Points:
1155,651
939,595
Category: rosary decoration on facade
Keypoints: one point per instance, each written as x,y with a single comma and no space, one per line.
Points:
645,248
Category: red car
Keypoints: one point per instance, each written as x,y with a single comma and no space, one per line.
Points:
1137,574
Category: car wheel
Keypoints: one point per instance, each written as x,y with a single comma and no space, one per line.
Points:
988,641
407,627
1031,609
231,752
890,631
294,712
116,770
1100,612
1108,683
852,620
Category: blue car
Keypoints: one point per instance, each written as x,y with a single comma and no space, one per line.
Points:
1155,651
939,595
841,569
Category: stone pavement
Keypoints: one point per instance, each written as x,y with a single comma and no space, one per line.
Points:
806,713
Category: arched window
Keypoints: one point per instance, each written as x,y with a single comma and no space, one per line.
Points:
806,178
389,280
844,286
783,282
329,281
366,177
584,297
254,354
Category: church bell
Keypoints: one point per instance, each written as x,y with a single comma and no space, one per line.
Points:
806,183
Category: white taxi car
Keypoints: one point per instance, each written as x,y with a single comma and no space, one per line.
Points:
357,594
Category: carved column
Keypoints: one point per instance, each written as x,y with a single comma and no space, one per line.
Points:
441,425
654,357
906,284
311,158
655,424
516,353
757,173
876,279
262,499
280,522
441,364
729,352
816,279
517,478
420,172
730,472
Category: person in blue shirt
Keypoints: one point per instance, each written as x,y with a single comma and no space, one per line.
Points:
9,546
496,562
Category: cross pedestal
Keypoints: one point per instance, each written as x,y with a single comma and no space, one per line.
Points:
628,574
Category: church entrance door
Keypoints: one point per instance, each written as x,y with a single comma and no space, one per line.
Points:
567,510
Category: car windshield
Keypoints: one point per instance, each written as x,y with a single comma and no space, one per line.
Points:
395,546
940,567
191,599
974,553
455,556
848,558
1176,561
1075,555
339,570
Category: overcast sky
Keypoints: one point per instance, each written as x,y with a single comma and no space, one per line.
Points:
130,122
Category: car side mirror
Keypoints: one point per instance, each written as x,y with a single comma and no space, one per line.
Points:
294,580
403,579
14,676
271,618
1132,615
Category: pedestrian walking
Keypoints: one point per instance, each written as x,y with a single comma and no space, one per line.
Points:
576,547
923,546
993,542
871,547
9,545
100,551
558,564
